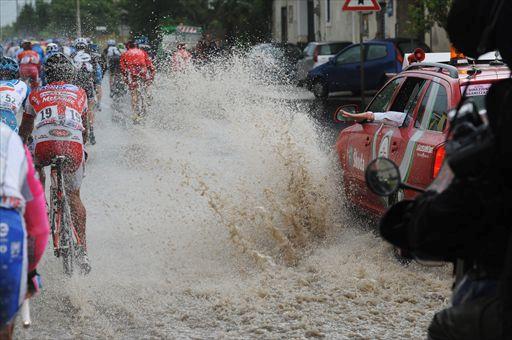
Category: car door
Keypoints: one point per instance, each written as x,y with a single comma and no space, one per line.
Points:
378,61
429,127
397,142
345,71
357,152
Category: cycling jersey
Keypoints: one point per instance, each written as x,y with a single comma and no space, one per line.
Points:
13,99
59,111
136,67
30,65
19,189
113,59
86,72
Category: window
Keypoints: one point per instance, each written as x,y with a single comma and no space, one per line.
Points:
407,97
376,52
331,49
383,98
327,10
433,112
352,55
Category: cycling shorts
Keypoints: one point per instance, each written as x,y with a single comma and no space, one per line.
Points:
45,151
28,71
9,118
136,80
13,264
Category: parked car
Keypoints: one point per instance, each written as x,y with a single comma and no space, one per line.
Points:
342,72
426,93
276,61
316,54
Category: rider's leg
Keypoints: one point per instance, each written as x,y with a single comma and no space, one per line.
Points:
78,215
99,94
7,331
73,182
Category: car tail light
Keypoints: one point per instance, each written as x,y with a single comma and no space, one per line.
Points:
315,54
439,154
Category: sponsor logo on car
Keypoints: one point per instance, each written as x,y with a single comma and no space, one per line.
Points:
356,159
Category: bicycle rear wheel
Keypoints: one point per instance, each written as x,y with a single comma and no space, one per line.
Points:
67,245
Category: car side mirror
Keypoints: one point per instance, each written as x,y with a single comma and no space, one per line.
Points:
383,177
331,60
338,115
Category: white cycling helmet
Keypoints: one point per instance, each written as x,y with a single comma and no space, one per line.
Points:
111,42
52,48
81,43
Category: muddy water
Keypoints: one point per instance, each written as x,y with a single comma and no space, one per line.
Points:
220,217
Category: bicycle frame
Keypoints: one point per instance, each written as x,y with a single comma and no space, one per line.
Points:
64,234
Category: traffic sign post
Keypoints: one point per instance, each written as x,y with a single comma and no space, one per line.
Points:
361,6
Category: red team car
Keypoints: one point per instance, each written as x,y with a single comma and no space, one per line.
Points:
426,92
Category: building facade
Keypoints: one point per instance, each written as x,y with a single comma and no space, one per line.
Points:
302,21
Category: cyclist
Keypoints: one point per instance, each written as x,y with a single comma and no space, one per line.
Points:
51,49
138,72
98,72
58,112
85,79
30,64
13,92
180,58
113,58
20,241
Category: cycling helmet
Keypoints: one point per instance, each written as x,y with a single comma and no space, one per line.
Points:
111,42
81,43
26,45
52,48
58,67
9,69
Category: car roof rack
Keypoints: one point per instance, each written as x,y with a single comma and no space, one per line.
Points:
452,70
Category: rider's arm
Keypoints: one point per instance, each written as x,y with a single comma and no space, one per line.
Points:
36,217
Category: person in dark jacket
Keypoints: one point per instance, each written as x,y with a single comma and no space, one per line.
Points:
469,222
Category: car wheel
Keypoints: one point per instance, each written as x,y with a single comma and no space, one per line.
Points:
320,89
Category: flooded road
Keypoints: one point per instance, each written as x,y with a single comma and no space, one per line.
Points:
221,217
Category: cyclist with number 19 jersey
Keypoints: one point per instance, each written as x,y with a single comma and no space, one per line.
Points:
58,111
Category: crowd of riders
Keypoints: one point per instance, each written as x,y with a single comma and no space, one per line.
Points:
50,94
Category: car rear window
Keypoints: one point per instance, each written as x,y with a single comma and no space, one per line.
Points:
331,49
376,52
433,111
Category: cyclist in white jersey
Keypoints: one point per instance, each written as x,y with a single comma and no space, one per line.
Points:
13,93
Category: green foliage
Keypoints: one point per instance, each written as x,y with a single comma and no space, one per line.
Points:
246,19
423,14
58,18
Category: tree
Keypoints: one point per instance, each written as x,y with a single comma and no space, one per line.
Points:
27,22
424,14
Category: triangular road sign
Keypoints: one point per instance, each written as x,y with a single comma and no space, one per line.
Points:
361,5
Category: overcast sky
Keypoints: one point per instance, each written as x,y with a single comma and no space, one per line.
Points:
8,10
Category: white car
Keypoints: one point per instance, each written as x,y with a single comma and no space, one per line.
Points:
318,53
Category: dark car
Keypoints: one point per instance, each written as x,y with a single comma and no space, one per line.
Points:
342,72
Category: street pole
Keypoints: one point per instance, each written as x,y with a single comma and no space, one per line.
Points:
78,23
361,28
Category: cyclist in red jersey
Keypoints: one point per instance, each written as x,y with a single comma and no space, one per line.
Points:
137,69
58,112
30,64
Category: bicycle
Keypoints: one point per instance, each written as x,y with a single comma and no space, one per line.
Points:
142,97
64,234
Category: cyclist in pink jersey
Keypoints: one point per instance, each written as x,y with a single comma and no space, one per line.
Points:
22,242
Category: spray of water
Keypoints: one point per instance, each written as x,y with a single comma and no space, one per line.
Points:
221,216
